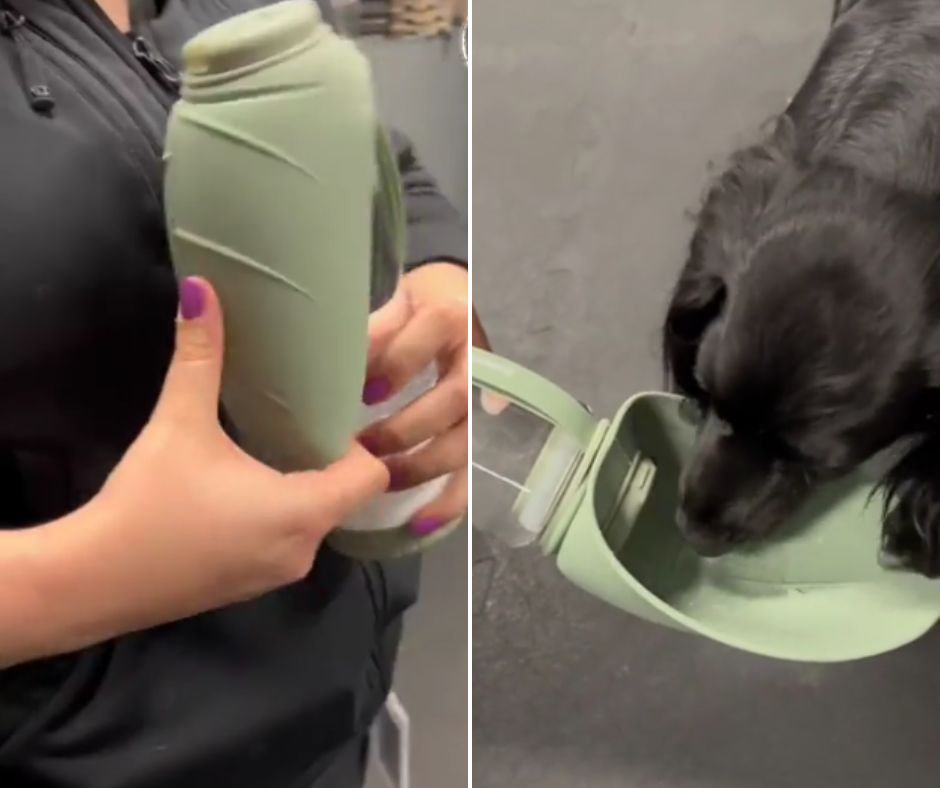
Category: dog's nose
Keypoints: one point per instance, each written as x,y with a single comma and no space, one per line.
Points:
697,537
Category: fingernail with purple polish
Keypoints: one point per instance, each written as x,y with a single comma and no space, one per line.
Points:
192,299
376,390
427,526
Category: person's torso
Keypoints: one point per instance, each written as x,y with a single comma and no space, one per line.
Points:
86,287
249,696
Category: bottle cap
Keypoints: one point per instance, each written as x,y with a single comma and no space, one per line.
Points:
250,38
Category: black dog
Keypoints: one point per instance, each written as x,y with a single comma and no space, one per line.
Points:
806,322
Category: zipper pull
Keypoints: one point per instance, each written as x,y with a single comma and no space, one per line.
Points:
36,86
10,21
156,64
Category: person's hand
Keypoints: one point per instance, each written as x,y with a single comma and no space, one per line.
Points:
187,521
426,324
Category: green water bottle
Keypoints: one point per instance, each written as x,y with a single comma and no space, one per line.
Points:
281,189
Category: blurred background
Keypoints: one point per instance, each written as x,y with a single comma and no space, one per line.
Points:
421,82
595,126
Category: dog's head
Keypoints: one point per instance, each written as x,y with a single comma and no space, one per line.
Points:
795,326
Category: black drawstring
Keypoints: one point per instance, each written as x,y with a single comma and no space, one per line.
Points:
158,66
32,69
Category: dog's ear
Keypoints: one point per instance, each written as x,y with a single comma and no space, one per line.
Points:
911,528
696,302
727,228
729,221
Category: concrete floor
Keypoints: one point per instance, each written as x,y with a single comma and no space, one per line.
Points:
594,126
422,89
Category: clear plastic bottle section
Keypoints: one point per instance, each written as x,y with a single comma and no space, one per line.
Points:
520,466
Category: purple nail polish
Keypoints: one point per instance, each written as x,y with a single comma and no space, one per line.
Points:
426,526
376,390
192,299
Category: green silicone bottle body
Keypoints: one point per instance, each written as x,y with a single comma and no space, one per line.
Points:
269,186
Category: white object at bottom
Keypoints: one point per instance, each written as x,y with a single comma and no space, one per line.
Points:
394,509
391,743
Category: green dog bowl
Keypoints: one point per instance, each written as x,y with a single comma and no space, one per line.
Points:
601,497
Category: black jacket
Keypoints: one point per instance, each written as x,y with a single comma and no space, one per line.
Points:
259,695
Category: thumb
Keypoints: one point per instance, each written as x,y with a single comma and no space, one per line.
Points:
341,489
193,380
